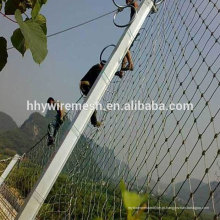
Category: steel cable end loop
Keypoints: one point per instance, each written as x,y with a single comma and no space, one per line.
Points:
101,60
118,11
155,6
122,6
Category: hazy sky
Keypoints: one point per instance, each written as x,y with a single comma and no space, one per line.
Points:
70,56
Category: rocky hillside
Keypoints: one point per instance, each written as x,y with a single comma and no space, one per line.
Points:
22,138
201,195
6,122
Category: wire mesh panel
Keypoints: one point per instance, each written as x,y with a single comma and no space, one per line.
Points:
172,155
3,164
28,169
169,154
6,210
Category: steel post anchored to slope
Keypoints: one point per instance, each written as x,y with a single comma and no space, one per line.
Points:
9,168
42,188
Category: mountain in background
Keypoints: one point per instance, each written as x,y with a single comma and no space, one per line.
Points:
20,139
35,126
201,195
153,185
93,161
6,122
112,168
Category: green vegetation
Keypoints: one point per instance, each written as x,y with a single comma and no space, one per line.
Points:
6,122
75,197
31,33
86,187
6,153
134,203
23,178
76,201
23,138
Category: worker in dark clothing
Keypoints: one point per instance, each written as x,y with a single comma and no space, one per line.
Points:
86,84
135,5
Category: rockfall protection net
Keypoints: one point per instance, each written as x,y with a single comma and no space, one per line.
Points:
170,155
28,169
4,163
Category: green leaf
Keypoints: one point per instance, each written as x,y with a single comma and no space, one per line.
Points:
18,41
37,4
34,36
36,9
0,5
41,20
122,186
131,199
12,5
4,53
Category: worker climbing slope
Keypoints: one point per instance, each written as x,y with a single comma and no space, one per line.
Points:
86,84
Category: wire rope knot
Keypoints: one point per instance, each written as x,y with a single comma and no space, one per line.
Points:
155,6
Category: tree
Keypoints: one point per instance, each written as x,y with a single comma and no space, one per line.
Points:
31,33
